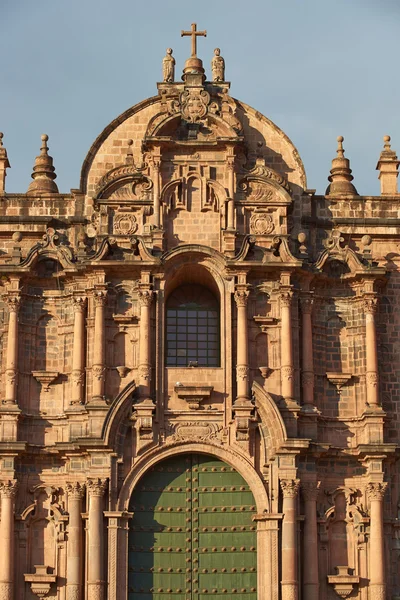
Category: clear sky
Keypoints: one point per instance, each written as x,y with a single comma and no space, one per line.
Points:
317,68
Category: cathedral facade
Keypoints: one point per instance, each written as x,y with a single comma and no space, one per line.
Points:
199,364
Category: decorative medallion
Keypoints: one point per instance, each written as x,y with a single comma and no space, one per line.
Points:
125,224
194,104
261,223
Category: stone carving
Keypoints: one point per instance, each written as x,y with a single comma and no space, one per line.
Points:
194,104
370,304
95,591
125,224
73,592
6,591
97,487
13,303
287,373
286,298
145,297
200,431
98,372
145,373
290,487
241,297
76,490
100,298
168,67
218,66
310,490
78,304
376,491
261,223
372,379
242,372
9,488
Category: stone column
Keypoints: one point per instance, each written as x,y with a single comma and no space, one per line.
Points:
145,297
8,492
310,564
289,582
242,366
371,351
98,368
377,584
156,191
95,575
78,362
230,163
306,303
11,372
287,371
76,493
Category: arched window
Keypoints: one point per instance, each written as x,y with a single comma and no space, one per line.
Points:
193,332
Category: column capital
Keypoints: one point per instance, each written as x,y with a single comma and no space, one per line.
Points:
100,298
290,487
306,303
145,297
241,296
370,304
310,490
78,304
13,302
285,297
8,489
97,487
76,490
376,491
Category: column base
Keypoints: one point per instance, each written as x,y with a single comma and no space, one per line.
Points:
96,590
377,591
289,591
74,591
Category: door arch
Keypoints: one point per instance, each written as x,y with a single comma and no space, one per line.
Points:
192,536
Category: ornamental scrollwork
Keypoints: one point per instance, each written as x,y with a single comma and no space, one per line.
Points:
97,487
194,104
145,297
376,491
310,490
76,490
290,487
9,488
241,297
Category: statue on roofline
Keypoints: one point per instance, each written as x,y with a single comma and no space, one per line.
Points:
218,66
168,67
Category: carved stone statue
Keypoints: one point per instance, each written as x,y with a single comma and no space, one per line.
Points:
218,66
168,67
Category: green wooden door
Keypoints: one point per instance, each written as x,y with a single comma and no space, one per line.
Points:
192,535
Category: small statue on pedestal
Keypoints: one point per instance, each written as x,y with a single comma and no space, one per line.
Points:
168,67
218,66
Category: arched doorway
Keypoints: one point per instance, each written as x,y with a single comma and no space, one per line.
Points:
192,536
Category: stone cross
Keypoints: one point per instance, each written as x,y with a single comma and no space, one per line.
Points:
194,34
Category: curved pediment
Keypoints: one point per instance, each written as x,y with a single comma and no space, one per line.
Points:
125,181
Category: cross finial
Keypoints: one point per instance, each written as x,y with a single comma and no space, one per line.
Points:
194,34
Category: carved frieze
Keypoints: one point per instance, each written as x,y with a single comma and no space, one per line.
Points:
125,223
261,223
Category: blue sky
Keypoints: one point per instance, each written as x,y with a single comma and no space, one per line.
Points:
317,68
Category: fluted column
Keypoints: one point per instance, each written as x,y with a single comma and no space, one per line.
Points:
11,372
306,303
289,582
98,368
242,366
145,297
287,371
78,363
310,492
8,492
371,350
76,493
377,584
96,489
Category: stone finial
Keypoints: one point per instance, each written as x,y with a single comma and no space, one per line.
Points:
129,154
218,66
388,169
43,172
169,67
340,177
4,165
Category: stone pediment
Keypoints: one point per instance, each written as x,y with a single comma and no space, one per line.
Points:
261,184
125,181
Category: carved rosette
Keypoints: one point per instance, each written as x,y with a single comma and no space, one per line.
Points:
78,304
376,491
9,488
310,490
242,372
287,373
145,297
98,372
290,487
76,490
97,487
241,298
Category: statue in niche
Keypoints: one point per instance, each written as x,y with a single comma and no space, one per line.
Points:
168,67
218,66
